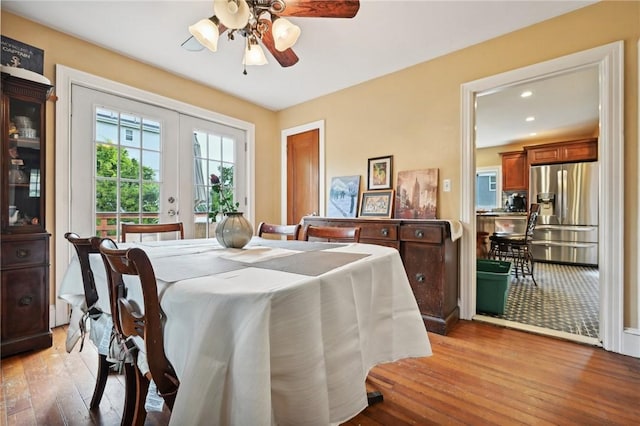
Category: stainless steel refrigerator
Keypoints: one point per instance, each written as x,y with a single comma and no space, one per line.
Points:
567,227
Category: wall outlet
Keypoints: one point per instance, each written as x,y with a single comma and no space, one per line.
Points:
446,184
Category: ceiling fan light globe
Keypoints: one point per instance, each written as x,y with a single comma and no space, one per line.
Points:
233,14
206,32
254,55
285,34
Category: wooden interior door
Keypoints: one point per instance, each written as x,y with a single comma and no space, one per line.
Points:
303,190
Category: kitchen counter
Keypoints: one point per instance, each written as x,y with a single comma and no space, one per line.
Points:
489,214
503,222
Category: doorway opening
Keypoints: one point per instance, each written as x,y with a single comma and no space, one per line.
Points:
513,125
608,59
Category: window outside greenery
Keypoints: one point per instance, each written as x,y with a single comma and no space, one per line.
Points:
127,170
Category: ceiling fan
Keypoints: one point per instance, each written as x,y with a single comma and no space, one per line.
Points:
263,21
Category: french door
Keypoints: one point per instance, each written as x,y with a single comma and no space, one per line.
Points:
123,163
135,162
217,165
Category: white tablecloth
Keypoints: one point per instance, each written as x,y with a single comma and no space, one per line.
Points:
261,346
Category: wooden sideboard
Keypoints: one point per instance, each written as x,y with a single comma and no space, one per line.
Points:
429,256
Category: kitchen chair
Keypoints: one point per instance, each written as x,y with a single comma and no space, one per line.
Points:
278,230
150,228
84,247
148,326
517,247
331,233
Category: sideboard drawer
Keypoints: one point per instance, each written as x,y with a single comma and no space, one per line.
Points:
18,253
378,231
422,233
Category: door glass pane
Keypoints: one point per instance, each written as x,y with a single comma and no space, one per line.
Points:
24,161
127,170
214,191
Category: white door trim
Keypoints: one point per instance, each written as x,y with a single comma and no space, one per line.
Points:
283,170
609,59
65,77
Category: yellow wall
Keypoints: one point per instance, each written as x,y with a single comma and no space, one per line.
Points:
414,114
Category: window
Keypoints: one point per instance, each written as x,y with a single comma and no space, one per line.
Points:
488,191
127,170
218,161
34,183
214,162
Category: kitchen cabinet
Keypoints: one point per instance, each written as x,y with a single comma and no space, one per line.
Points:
515,171
430,259
563,152
24,243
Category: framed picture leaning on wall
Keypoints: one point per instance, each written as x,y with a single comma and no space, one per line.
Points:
380,173
344,194
417,194
377,203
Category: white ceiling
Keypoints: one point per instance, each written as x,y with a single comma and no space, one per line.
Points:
562,106
334,53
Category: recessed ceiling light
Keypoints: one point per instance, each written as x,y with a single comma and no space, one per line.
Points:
530,118
532,134
526,94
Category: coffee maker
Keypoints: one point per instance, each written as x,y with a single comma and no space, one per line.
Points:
516,203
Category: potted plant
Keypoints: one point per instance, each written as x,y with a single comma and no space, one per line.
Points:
234,230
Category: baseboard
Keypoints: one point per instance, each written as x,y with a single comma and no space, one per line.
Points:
631,342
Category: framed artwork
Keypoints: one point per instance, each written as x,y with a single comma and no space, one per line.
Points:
417,194
380,172
377,204
344,194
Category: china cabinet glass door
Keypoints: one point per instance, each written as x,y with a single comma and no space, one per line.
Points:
24,179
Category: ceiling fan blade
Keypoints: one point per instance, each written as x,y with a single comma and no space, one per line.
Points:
287,57
321,8
192,45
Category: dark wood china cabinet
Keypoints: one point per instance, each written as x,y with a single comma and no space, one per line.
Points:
24,241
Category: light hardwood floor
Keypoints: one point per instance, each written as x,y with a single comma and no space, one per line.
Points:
479,374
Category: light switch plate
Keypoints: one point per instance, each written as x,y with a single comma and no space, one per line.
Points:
446,185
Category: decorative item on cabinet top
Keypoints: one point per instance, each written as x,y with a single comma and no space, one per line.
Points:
344,193
380,173
417,194
377,204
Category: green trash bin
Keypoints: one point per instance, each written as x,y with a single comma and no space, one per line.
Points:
492,284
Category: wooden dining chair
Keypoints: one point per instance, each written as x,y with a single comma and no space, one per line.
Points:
278,230
148,326
150,228
517,247
331,233
84,247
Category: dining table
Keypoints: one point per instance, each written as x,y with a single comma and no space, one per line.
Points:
280,332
